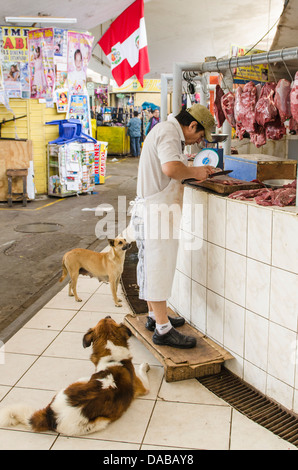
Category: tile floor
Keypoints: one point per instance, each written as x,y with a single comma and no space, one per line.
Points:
47,355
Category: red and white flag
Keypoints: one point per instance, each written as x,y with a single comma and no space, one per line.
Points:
125,44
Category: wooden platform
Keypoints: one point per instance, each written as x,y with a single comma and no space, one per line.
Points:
180,364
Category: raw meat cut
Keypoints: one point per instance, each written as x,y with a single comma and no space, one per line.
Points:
294,98
219,114
240,131
282,99
275,130
267,88
293,126
258,137
265,110
247,106
227,104
237,103
285,196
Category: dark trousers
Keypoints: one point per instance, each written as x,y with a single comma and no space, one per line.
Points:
135,143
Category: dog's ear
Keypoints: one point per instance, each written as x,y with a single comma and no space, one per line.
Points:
88,338
126,331
111,241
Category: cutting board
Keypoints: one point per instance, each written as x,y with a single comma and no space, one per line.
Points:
223,188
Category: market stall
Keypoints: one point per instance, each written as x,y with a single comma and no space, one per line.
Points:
236,278
43,75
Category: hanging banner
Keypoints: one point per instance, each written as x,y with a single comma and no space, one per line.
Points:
78,108
78,57
41,63
14,41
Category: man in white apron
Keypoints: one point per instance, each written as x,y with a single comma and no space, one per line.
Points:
162,168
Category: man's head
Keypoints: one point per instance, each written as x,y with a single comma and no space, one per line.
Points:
197,123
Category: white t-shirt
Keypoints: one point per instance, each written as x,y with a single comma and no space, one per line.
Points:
164,143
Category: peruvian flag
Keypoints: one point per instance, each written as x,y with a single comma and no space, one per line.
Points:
125,44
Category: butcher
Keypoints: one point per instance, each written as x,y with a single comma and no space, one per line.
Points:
159,191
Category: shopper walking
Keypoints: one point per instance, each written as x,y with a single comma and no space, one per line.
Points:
152,121
134,131
162,167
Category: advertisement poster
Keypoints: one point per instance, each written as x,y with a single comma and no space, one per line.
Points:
14,41
78,108
79,54
62,100
257,73
41,63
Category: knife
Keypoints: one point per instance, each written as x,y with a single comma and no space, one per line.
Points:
219,173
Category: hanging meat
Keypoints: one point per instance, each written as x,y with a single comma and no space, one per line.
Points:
275,130
267,88
228,104
248,100
282,99
294,98
258,137
265,109
219,114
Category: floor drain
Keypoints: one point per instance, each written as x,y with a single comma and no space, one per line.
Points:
39,227
253,404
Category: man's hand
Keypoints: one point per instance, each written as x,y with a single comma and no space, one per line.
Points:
179,171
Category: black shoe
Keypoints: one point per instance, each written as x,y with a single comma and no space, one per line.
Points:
175,322
175,339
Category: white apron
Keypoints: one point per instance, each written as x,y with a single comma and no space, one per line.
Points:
156,223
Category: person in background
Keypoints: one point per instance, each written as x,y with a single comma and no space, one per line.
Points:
134,131
152,121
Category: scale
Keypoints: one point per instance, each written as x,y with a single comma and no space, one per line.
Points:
211,156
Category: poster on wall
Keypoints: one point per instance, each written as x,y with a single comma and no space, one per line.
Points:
78,57
41,63
14,48
257,73
62,100
78,108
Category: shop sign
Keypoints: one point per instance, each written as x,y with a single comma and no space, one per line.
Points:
257,73
132,86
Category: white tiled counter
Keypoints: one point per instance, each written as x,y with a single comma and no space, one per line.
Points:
237,282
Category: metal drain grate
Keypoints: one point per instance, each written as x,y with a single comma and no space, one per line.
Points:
253,404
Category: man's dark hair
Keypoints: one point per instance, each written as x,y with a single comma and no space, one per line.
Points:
135,113
185,119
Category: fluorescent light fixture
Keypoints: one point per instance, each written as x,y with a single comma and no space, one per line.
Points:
39,19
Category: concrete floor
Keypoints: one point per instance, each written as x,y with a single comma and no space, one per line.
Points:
30,263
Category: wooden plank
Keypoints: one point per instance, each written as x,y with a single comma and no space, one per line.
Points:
224,188
181,364
15,154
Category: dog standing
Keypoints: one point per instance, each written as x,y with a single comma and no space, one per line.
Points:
106,266
90,404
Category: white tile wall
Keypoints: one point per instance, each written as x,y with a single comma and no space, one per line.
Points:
236,233
258,287
259,234
235,275
285,241
240,288
216,219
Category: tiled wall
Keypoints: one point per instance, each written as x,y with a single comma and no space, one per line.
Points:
239,286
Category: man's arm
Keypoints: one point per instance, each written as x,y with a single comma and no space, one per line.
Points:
179,171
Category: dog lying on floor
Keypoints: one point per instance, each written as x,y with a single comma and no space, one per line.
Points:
106,266
90,404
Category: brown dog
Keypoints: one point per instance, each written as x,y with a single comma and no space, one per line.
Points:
91,403
106,266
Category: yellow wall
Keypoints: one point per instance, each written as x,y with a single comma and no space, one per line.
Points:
33,128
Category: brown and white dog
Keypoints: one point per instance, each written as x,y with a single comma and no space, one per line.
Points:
106,266
90,404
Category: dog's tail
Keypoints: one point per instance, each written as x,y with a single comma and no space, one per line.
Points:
23,414
64,272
